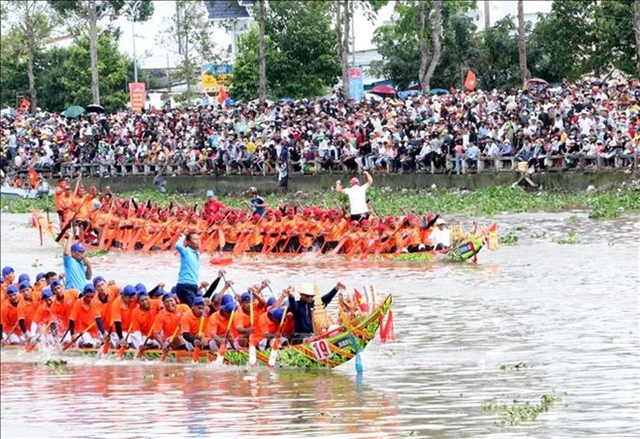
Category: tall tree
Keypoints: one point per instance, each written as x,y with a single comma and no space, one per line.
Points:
262,53
33,23
522,44
89,12
636,29
189,31
343,12
429,61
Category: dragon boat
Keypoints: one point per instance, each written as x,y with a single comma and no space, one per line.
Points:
466,245
327,350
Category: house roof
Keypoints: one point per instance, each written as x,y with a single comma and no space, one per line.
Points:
228,9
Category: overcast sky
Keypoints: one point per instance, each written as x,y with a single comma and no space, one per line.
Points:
153,55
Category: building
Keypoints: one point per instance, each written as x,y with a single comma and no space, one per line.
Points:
499,10
237,15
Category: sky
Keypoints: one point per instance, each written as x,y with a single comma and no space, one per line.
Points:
152,55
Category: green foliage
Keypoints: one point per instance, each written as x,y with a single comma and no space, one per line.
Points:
112,66
300,52
517,411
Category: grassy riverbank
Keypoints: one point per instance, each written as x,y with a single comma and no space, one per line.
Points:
482,202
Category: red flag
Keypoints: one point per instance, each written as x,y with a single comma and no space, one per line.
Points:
470,82
222,95
386,329
362,303
24,106
33,177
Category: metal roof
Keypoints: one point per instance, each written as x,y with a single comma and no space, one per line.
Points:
228,9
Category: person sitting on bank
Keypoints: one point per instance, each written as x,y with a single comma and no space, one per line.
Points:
441,236
357,196
303,307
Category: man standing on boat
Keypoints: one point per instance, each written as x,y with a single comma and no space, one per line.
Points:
77,267
188,247
302,309
357,196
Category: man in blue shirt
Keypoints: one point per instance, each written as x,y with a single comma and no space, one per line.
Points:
188,247
302,310
258,204
77,268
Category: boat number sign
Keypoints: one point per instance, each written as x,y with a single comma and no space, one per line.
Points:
321,349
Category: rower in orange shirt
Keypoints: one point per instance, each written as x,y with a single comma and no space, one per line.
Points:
191,323
168,319
142,321
242,326
8,278
105,295
41,283
62,305
83,314
218,323
29,303
13,329
267,328
120,315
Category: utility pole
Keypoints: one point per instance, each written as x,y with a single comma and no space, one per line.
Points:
133,11
487,14
353,40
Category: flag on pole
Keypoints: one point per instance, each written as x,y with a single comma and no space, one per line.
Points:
470,82
33,177
362,303
222,95
24,106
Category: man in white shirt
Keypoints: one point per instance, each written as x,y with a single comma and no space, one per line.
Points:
357,196
441,235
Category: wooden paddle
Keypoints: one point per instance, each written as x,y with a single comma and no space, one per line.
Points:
71,343
123,348
141,348
197,349
107,345
13,329
165,352
32,346
222,349
253,356
276,341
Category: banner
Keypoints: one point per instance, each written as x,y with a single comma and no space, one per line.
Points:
470,82
356,84
137,95
215,76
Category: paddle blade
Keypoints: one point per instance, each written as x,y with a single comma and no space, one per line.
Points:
196,353
221,351
140,353
272,358
163,357
253,356
105,348
359,368
30,347
121,351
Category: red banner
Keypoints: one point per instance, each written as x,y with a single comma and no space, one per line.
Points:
138,95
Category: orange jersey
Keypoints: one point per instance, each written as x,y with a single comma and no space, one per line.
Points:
190,323
242,320
43,315
167,322
10,315
263,326
84,315
143,320
105,307
217,324
61,309
121,312
30,309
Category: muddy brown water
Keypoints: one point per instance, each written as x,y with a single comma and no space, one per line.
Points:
566,313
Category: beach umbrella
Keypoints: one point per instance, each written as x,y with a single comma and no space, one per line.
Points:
438,91
230,102
95,108
287,101
383,90
372,97
73,111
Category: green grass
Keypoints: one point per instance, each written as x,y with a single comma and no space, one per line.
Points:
482,202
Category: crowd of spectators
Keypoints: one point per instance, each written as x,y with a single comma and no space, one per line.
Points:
446,133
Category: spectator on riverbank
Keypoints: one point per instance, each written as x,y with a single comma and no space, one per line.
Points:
391,135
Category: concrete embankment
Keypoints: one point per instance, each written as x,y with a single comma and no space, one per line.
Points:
237,184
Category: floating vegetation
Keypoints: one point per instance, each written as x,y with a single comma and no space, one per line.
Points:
36,263
539,235
569,239
521,365
148,377
509,239
57,367
517,411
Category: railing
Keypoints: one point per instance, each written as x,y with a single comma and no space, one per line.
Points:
552,163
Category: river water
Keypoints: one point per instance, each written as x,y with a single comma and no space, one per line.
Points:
567,314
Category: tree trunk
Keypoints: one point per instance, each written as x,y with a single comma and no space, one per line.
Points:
341,17
347,16
428,66
636,28
93,51
262,58
522,45
31,49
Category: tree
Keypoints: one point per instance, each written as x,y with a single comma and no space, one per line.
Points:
636,29
262,55
189,30
522,44
114,71
89,12
33,24
300,54
398,43
429,62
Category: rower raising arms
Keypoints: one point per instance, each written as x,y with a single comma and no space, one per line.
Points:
303,307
